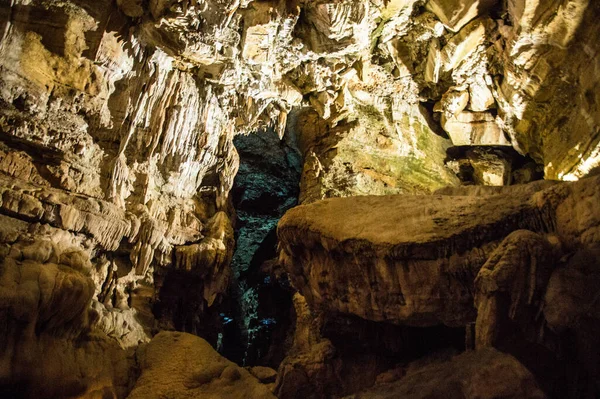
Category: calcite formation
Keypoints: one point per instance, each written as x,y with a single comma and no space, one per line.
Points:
192,369
414,259
492,257
117,159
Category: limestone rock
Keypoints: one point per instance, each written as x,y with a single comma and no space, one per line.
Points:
211,257
511,283
490,168
181,365
481,97
117,156
404,259
572,293
309,370
332,26
480,374
465,43
266,375
474,128
571,309
370,155
453,102
534,85
457,13
434,63
51,349
131,8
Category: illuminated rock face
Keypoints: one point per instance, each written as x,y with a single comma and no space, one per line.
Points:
490,257
191,369
414,259
117,122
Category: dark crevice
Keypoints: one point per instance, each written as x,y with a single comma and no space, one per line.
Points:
259,313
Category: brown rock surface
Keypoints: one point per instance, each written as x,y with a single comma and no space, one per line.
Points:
179,365
511,284
413,259
485,374
50,347
117,122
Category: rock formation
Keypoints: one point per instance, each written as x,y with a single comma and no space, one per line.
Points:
472,255
192,369
482,374
119,214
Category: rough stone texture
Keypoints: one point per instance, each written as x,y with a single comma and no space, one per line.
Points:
310,370
548,119
457,13
370,155
199,277
571,308
511,284
413,259
179,365
491,166
572,291
474,128
52,346
465,254
481,374
117,122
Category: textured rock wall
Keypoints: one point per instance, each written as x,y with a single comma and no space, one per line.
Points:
117,159
498,257
117,121
413,259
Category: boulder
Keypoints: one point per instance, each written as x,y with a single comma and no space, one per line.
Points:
485,374
179,365
474,128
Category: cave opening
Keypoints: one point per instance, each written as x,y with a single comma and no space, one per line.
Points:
259,312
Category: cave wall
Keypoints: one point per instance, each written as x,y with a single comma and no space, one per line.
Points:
515,267
117,121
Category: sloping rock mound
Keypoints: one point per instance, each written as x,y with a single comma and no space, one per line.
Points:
180,365
484,374
413,259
